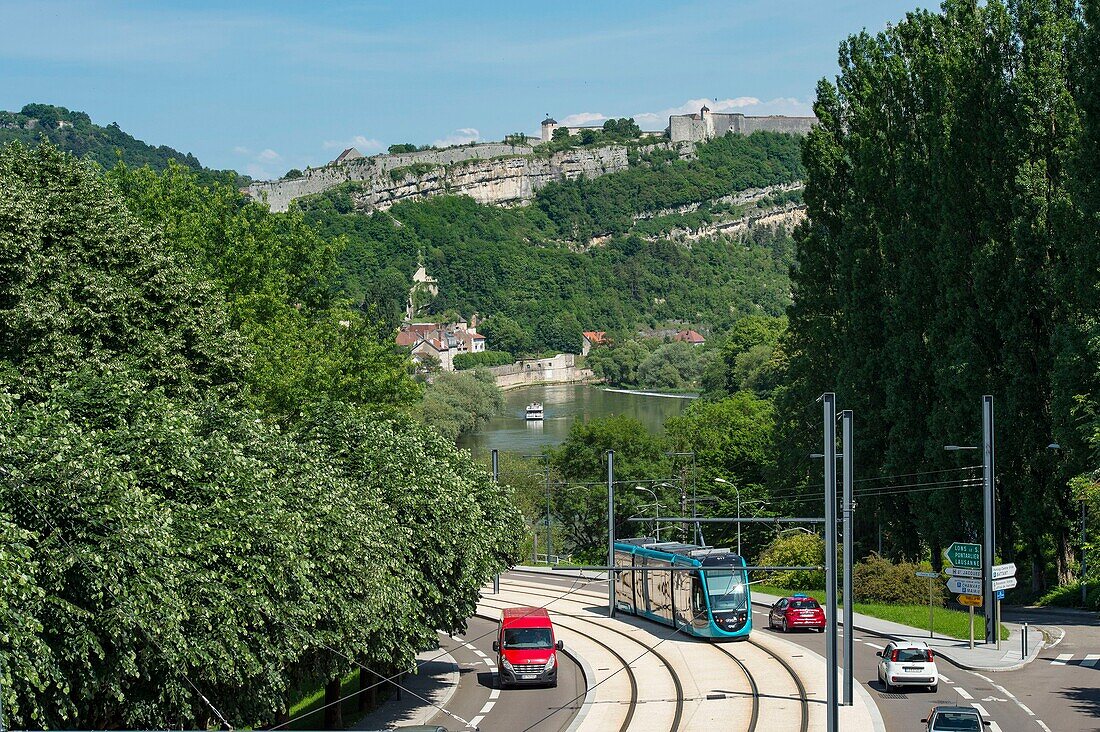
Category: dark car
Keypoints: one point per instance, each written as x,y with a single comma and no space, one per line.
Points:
797,611
954,719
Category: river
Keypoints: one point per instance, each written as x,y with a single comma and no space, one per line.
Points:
562,403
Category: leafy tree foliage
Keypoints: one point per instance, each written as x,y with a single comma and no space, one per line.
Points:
464,361
460,402
951,252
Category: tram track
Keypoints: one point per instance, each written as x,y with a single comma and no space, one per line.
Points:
521,588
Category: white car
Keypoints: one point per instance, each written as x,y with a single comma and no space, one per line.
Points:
907,663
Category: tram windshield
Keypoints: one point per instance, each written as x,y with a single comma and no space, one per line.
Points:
727,591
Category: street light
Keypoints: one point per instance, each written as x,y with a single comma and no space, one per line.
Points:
656,507
736,490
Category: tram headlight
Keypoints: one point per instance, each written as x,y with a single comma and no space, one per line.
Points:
550,662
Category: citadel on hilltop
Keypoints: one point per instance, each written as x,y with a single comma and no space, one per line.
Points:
704,125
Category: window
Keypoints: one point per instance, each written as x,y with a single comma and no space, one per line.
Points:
534,638
727,591
804,604
910,655
956,722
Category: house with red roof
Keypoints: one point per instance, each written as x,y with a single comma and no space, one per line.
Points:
690,336
592,338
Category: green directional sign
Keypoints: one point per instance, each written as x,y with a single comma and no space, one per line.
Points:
965,555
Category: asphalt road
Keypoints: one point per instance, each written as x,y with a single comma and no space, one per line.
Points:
510,710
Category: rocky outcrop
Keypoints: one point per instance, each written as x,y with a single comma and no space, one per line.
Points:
495,173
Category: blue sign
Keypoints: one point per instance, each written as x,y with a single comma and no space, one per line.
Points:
1000,594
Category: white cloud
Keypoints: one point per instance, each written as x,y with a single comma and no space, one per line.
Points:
461,136
269,156
583,118
362,143
241,150
745,105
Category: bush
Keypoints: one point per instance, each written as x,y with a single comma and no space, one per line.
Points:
876,579
1070,596
465,361
796,549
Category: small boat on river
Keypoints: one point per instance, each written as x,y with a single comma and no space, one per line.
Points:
534,411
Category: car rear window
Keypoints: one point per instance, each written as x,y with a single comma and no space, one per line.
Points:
804,604
957,722
911,655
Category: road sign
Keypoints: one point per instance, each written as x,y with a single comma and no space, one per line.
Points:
1005,583
962,554
1000,594
933,575
964,586
1003,570
962,572
971,600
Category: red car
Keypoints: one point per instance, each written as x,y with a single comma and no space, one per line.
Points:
797,611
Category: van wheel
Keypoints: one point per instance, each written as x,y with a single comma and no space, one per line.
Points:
934,688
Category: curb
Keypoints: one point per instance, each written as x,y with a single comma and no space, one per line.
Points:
586,671
1034,654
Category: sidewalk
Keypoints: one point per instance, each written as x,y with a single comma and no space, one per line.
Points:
958,652
436,681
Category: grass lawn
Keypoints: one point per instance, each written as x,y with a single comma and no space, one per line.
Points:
300,711
951,623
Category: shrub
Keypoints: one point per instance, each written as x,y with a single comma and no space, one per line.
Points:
795,549
876,579
465,361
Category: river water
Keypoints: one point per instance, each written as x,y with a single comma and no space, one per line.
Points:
563,403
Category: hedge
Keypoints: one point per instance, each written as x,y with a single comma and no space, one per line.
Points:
482,359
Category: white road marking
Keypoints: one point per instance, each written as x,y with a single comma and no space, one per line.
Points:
478,652
485,709
944,678
875,645
1090,660
490,663
963,693
475,721
1061,660
980,708
494,693
993,726
1022,706
1040,723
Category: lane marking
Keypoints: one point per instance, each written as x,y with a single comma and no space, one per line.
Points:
1022,706
963,693
494,693
485,709
490,663
875,645
944,678
1040,723
475,721
1090,660
980,708
1061,660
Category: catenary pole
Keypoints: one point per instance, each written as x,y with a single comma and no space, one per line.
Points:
610,533
848,509
828,400
989,509
496,477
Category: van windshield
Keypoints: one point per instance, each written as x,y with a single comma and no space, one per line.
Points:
727,591
534,638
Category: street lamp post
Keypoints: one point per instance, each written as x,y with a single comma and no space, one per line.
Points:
992,619
656,507
737,491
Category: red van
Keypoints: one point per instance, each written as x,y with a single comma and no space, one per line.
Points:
527,654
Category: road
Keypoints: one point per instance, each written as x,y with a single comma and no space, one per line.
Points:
479,701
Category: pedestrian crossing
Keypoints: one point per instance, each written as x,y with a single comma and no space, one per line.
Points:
1090,660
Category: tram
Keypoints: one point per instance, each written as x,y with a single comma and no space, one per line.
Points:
712,604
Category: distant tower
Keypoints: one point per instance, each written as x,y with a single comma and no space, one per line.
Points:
548,126
708,122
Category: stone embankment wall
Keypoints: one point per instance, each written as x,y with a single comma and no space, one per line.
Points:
491,173
561,369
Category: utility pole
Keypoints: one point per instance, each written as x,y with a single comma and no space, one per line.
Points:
496,477
992,632
610,533
848,508
828,400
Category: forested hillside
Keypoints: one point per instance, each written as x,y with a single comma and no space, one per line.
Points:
531,270
953,250
75,132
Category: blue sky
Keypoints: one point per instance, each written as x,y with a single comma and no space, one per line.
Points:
266,86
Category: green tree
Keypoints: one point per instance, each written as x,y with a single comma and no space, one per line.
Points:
505,334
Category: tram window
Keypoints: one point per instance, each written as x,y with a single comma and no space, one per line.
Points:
727,590
698,603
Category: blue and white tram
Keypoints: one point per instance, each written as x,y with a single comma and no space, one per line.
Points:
712,604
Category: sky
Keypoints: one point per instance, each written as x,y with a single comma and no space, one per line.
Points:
262,87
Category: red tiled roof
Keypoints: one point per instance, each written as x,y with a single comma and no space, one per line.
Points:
690,336
407,338
595,336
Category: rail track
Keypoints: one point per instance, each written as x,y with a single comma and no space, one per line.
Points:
571,619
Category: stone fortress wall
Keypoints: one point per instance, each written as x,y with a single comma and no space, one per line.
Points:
498,172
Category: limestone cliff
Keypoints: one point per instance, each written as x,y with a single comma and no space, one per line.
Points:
494,173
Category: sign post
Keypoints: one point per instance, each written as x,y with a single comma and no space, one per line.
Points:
971,601
931,576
